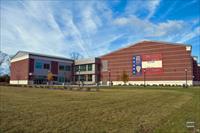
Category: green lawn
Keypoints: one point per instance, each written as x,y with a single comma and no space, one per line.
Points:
116,110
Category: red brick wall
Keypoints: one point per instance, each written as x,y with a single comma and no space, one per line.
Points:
196,71
20,70
198,75
175,59
54,67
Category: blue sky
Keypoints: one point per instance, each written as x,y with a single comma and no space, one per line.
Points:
95,28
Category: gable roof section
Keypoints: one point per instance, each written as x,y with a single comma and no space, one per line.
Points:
147,42
27,54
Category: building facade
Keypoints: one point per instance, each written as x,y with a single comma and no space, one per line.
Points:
151,62
32,68
87,71
146,62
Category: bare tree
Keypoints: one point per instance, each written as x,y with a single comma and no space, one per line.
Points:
75,55
4,63
3,57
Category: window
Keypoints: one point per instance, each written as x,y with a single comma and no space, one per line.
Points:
82,77
89,67
67,79
90,77
76,78
61,79
67,68
82,67
46,66
38,65
76,68
61,68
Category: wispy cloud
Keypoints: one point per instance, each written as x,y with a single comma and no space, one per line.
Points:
88,27
138,6
188,36
146,28
152,6
169,9
186,5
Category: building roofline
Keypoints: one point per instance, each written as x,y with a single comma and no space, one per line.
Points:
42,55
129,45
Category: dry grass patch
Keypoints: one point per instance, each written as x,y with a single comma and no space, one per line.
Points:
109,110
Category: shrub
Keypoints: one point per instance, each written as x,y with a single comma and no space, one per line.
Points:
161,85
88,89
125,77
65,87
5,78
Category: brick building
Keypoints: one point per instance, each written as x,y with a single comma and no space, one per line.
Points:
146,62
32,68
151,62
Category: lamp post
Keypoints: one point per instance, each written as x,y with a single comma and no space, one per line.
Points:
144,77
30,76
186,77
79,82
65,75
109,77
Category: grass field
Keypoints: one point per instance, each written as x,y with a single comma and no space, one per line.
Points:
116,110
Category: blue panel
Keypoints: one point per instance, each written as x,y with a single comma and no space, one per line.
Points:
38,65
137,65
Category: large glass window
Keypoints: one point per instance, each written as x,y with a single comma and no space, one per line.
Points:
90,77
89,67
82,77
82,67
76,68
46,66
67,68
61,79
61,68
76,78
38,65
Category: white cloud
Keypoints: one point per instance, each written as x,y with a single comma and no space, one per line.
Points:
187,36
146,28
56,28
90,20
36,29
168,28
133,7
88,27
121,21
152,6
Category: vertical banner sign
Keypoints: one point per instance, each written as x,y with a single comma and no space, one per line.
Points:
137,65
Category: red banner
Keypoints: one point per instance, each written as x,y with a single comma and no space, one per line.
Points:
152,64
152,57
